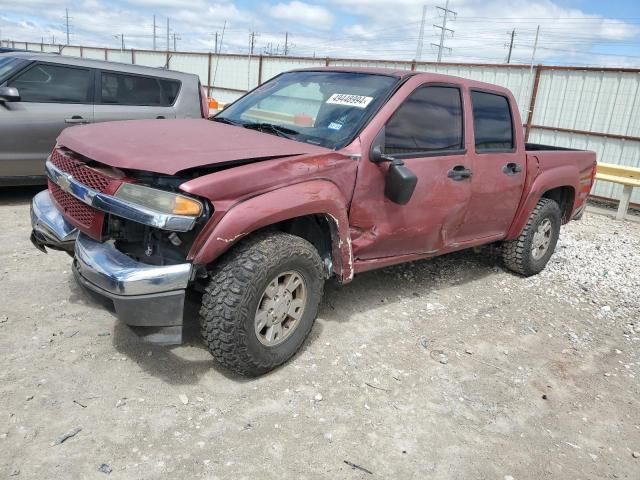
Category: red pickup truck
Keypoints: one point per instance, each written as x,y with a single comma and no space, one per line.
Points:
315,174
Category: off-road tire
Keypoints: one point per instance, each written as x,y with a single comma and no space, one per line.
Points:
517,255
235,287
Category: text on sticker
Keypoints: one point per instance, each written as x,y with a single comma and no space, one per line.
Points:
359,101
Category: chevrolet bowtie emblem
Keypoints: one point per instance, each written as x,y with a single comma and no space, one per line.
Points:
64,183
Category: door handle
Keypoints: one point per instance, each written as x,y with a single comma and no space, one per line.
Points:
75,119
512,168
458,173
159,117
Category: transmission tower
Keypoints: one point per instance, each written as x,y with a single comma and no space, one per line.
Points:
443,29
421,35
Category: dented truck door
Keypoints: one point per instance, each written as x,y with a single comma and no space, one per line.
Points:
427,132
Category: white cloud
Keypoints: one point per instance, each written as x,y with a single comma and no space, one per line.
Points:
304,13
374,28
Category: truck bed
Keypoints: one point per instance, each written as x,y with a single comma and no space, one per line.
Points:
538,147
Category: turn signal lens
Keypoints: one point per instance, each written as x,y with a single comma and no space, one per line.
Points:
187,206
159,200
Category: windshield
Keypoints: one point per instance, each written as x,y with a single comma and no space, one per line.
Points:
8,65
323,108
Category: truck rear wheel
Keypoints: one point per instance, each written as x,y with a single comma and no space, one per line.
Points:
529,253
261,301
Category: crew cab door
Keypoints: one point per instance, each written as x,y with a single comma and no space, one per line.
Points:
499,167
426,131
52,97
128,96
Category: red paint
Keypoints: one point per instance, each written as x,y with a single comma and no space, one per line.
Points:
368,231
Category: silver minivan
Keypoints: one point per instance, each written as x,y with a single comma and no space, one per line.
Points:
41,94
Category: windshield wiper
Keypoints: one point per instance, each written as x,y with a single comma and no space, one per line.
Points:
277,129
227,121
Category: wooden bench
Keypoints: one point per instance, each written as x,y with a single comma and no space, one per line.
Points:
627,176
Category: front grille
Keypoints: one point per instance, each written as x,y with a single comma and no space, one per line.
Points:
86,218
80,212
80,171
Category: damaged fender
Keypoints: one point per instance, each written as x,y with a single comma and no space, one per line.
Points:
315,197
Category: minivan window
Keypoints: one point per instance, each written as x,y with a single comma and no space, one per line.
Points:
8,66
45,83
122,89
492,122
429,120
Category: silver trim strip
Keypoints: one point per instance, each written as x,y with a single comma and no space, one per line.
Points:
105,267
115,206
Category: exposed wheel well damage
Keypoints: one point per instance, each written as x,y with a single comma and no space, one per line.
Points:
320,231
565,198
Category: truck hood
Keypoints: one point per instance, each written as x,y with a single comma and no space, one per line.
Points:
170,146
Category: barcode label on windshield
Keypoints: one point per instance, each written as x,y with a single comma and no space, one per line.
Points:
359,101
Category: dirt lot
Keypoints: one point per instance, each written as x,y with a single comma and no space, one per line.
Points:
445,369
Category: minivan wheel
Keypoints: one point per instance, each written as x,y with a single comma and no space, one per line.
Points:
261,301
529,253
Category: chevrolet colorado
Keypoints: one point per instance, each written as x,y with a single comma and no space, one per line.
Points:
314,174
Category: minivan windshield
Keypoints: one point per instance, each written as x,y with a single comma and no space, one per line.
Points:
326,108
8,65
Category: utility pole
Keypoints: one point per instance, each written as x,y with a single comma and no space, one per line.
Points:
168,44
175,49
215,50
535,47
121,37
421,35
67,22
513,34
443,29
286,43
154,32
252,42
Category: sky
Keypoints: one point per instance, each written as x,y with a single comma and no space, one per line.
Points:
572,32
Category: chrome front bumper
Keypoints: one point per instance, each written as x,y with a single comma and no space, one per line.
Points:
142,295
50,229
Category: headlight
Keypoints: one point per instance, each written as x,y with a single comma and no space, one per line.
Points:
159,200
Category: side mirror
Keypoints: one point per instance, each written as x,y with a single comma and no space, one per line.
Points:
400,183
9,94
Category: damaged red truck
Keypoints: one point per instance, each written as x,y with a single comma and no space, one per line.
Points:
314,174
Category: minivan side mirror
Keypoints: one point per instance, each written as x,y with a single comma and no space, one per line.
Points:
9,94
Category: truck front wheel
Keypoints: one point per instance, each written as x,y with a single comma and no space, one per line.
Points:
261,301
529,253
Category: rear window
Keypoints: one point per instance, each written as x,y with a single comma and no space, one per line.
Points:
492,122
45,83
123,89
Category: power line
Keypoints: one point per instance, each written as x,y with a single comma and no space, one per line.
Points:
443,29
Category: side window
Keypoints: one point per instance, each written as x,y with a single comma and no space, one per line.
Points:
429,120
122,89
54,84
492,122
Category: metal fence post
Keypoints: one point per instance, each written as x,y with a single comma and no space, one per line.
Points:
260,70
532,103
209,75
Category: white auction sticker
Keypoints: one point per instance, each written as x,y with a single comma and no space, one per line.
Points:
359,101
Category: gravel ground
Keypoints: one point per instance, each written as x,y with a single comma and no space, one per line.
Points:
443,369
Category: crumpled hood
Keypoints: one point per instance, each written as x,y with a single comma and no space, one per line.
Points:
170,146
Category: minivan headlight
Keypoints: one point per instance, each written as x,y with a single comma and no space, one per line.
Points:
159,200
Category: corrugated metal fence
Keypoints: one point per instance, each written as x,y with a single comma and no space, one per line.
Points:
579,107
